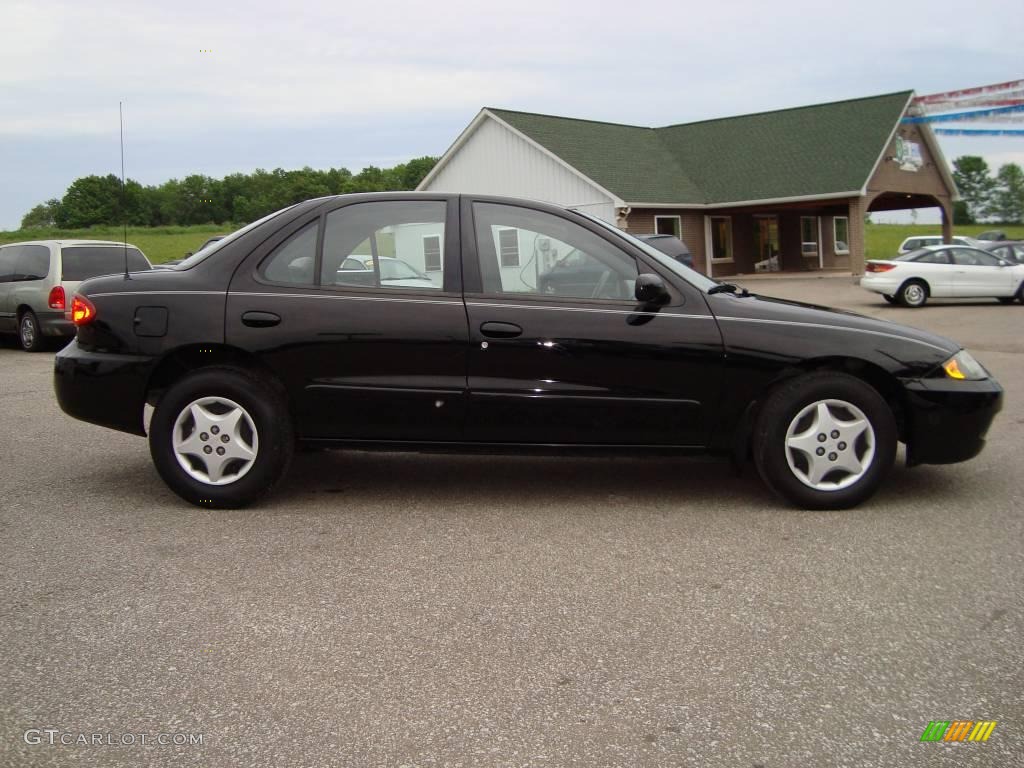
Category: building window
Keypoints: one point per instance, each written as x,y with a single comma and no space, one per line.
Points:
432,253
841,234
721,238
668,225
809,236
508,245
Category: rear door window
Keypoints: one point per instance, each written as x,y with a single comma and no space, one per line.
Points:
32,262
80,262
7,256
386,244
933,257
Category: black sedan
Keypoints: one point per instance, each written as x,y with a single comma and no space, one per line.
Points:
262,344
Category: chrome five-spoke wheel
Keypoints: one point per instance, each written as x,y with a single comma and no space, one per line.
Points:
830,444
215,440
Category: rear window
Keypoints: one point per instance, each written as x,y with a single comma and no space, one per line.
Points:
81,262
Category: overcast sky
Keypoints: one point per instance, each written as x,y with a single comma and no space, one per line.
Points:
352,84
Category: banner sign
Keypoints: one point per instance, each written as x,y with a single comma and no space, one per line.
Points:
977,132
968,92
977,114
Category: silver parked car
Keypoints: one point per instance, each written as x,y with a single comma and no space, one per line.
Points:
38,279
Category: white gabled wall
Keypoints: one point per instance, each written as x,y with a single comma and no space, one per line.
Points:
495,161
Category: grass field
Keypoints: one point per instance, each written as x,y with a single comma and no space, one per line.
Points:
164,243
158,243
882,240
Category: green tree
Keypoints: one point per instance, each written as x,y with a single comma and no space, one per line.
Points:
1007,205
42,216
413,172
89,201
198,199
961,213
975,182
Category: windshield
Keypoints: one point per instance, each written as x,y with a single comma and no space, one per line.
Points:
691,276
396,270
203,253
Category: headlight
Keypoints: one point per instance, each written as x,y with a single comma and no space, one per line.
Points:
963,366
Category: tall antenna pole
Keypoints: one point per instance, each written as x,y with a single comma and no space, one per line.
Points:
124,199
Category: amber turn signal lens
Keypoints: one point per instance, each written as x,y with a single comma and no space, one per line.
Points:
953,369
82,311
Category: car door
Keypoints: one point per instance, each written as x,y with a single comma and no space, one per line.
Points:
579,361
361,361
8,321
978,273
936,268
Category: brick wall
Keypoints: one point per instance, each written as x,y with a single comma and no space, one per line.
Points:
641,222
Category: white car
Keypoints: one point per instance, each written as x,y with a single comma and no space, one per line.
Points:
920,241
944,271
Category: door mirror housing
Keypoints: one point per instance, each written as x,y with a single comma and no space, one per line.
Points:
650,289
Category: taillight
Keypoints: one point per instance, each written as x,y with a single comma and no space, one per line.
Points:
82,310
875,267
56,298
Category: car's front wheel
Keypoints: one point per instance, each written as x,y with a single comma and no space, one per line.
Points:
222,437
824,440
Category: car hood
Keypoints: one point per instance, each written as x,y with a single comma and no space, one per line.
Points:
805,322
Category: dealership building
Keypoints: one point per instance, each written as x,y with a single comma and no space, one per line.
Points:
786,190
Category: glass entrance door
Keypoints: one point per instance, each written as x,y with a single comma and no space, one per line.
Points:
767,237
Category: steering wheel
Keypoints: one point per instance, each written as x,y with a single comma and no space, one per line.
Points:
596,294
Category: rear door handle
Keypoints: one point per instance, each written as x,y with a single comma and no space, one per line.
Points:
496,330
260,319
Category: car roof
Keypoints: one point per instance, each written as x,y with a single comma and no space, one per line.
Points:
71,242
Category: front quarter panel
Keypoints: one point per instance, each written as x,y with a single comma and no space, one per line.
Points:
768,340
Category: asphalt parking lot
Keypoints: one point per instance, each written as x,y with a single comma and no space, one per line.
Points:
410,610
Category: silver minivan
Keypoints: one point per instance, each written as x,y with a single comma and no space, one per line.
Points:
38,279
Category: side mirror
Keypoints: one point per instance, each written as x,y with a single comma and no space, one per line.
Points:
650,289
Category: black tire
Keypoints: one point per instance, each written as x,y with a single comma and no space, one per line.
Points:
888,298
266,405
1006,299
913,293
782,408
30,335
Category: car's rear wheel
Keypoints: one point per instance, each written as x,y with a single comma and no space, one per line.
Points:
888,298
1006,299
913,293
222,437
29,333
824,441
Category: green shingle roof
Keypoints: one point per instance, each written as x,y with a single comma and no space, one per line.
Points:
805,151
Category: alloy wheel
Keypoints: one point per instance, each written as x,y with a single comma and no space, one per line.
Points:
914,294
28,332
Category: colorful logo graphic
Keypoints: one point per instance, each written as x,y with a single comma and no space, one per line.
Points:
958,730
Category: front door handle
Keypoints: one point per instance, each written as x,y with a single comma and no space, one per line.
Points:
260,319
496,330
